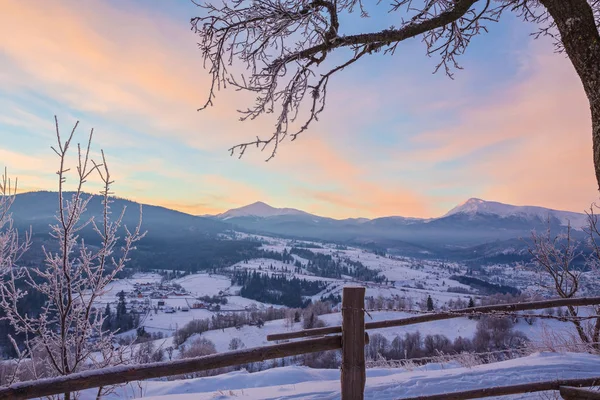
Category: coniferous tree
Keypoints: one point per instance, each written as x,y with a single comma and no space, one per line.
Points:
107,324
471,305
429,303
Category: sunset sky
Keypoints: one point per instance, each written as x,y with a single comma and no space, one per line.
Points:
513,126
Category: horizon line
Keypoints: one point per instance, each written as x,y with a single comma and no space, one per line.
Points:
296,209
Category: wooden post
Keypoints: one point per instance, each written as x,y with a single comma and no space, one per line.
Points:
354,374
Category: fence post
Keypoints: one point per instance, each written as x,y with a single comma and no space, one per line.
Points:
353,374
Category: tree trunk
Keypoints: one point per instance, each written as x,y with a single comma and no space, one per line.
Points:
578,327
579,35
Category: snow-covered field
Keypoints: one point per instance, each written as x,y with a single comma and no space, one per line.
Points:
204,284
382,383
408,278
414,279
111,295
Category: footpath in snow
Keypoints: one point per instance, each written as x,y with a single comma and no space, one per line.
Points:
382,383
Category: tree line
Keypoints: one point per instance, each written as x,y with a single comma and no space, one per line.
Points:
326,266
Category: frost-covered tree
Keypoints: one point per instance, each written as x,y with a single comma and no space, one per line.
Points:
11,248
554,257
236,344
66,336
290,49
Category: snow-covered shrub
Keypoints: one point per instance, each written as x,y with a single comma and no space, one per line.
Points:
195,326
236,344
325,359
146,353
495,333
310,321
560,341
378,347
436,344
199,347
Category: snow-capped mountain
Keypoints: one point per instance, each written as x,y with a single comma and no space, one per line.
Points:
259,209
492,226
470,209
473,207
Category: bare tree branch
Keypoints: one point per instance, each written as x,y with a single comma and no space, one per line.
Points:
284,46
59,336
554,257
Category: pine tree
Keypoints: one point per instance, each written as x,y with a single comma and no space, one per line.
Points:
107,323
471,305
429,303
121,306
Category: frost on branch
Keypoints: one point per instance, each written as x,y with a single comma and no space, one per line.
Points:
285,47
554,256
66,336
11,248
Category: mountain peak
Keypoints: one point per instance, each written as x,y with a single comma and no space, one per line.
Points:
475,206
260,204
259,209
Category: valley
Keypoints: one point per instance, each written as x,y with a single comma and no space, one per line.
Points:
203,285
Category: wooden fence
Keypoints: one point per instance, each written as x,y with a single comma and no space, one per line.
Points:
350,337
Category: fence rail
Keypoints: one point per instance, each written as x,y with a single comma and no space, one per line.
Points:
574,393
351,341
513,389
513,307
128,373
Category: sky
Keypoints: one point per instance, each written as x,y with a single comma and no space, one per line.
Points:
395,139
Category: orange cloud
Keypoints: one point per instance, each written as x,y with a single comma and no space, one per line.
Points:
125,64
552,163
527,143
336,184
134,67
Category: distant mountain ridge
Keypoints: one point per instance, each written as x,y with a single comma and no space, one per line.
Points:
174,240
475,228
471,207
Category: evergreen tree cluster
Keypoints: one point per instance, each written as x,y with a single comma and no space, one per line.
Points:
485,288
120,320
192,253
285,257
276,289
332,298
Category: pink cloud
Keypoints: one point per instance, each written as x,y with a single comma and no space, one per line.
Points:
135,66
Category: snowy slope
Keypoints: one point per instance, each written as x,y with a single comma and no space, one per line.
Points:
382,383
259,209
477,206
